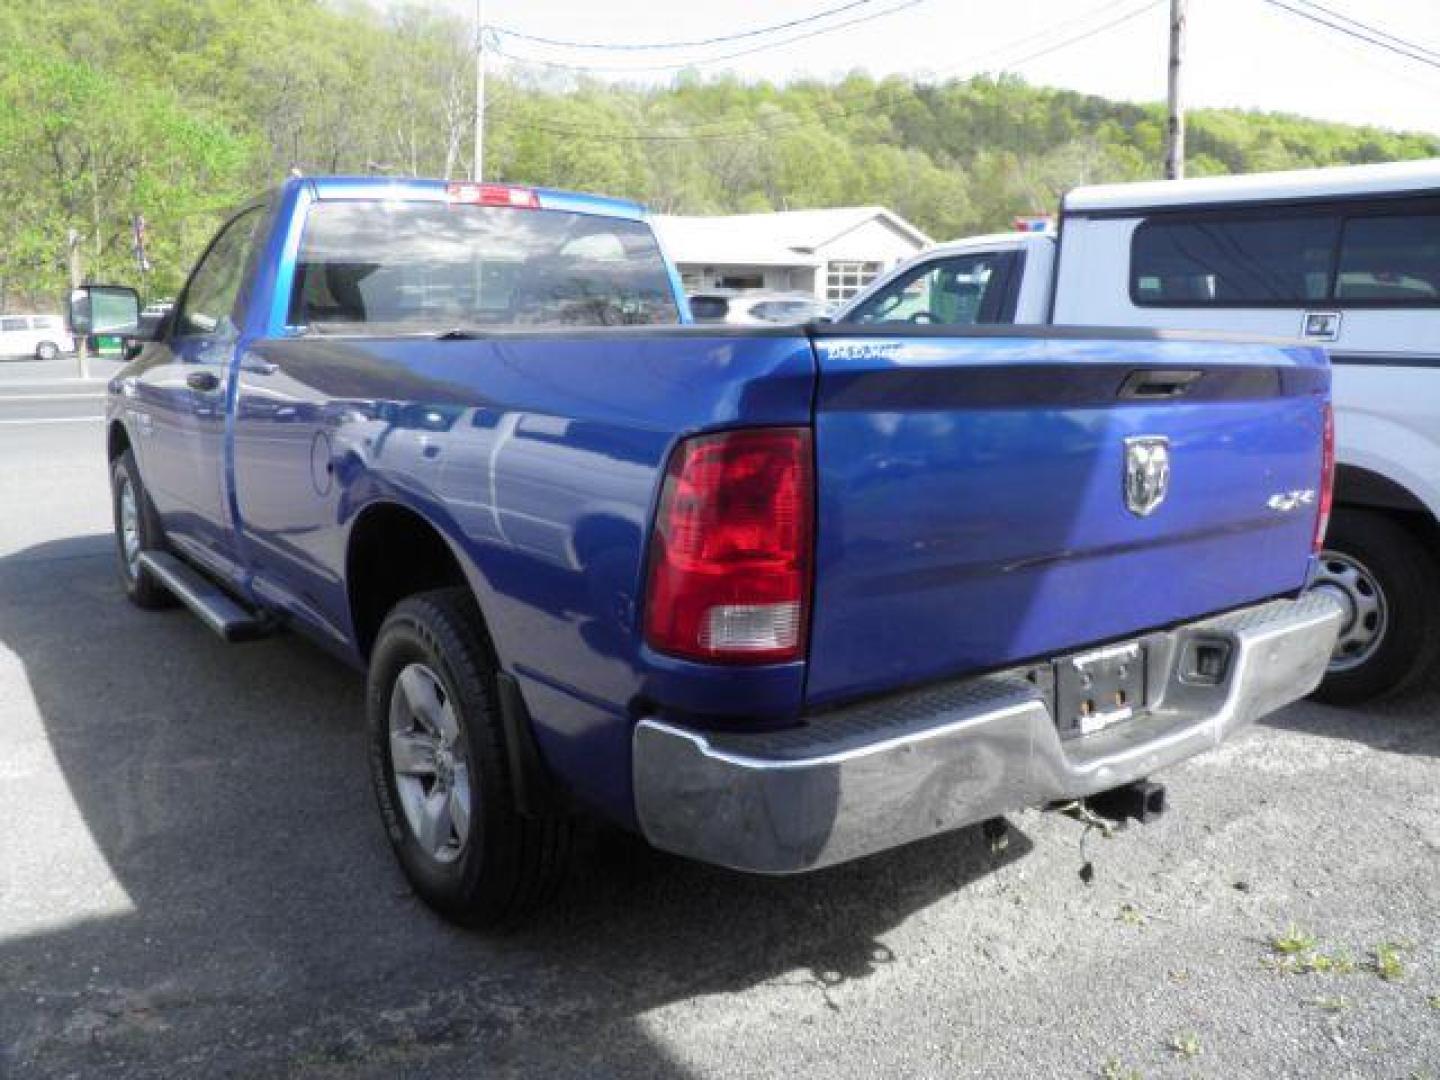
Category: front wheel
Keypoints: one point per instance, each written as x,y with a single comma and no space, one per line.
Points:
47,350
439,766
137,529
1389,586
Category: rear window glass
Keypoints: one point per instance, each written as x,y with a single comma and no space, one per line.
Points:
423,265
1235,262
1390,259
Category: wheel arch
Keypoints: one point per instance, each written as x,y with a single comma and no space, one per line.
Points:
1361,488
394,551
117,440
1358,486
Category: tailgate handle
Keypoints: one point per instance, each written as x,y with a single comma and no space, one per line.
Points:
1154,385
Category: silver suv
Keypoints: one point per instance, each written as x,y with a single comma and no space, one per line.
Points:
723,306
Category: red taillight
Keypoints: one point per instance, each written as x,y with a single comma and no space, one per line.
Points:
1327,477
730,555
493,195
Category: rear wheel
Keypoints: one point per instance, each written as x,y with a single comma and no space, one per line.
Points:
439,765
47,350
1389,586
137,529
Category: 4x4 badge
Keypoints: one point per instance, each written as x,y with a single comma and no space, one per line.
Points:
1147,473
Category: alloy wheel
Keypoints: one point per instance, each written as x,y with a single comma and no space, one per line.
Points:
129,528
429,763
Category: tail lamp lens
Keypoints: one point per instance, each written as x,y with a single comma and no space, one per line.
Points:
1327,477
493,195
730,557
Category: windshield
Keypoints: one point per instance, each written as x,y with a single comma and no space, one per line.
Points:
436,266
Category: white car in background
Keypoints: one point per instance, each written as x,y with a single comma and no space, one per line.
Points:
751,308
1346,257
42,337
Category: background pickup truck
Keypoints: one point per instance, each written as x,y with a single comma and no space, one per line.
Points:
773,597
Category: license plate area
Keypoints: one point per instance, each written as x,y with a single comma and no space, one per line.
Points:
1097,689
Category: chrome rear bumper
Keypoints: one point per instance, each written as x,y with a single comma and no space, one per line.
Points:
887,772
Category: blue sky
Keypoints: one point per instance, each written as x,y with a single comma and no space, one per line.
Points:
1245,53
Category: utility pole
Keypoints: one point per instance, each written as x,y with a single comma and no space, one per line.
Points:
72,244
479,90
1175,142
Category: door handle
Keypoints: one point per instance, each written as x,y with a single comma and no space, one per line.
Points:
204,381
1155,385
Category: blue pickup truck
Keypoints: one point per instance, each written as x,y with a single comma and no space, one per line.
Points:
772,597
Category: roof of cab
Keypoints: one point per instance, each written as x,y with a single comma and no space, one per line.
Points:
1005,241
1394,178
412,190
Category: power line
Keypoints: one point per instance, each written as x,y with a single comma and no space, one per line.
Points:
1087,36
701,61
1371,29
1400,50
650,45
752,131
1372,58
762,131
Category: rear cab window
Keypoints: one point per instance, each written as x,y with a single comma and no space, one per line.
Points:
709,308
418,266
1348,255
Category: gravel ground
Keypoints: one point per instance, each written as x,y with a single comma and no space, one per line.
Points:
193,882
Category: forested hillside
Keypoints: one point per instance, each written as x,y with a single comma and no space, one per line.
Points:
175,109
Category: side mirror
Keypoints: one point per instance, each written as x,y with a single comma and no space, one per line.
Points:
103,309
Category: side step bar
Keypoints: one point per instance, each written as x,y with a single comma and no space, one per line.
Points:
211,604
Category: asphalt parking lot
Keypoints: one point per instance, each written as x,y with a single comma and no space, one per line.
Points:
193,882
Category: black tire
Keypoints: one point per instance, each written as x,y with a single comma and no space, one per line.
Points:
142,590
509,865
47,350
1408,577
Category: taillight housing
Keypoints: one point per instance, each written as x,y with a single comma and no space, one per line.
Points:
1327,477
731,551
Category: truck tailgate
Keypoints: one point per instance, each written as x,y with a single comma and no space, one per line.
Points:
972,507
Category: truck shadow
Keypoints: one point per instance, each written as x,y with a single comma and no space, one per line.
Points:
196,880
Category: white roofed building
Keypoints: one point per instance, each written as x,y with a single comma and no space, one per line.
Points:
830,254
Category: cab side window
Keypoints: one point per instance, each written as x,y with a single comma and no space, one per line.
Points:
208,306
968,290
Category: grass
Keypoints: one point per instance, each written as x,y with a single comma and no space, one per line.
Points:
1294,941
1186,1044
1131,915
1338,1003
1113,1070
1297,952
1387,963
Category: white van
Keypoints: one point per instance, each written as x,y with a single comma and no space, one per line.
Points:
43,337
1348,257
